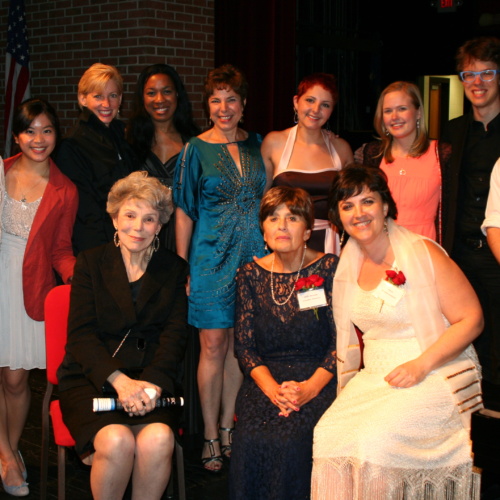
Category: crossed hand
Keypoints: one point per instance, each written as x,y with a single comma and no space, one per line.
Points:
290,396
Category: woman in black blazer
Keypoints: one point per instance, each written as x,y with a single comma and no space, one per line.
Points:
95,153
126,333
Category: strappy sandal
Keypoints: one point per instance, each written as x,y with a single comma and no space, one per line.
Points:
213,457
24,471
226,448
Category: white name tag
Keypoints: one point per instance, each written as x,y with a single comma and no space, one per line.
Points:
388,293
311,299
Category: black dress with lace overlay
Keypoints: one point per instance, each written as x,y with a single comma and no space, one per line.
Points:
272,455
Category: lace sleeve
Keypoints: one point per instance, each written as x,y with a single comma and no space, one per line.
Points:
329,362
244,340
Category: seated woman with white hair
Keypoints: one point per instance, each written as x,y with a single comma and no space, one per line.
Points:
126,334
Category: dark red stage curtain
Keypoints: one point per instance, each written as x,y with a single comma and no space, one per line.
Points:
258,37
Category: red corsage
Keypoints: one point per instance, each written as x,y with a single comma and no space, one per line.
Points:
309,283
397,278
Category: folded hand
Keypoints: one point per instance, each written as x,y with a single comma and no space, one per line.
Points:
406,375
132,396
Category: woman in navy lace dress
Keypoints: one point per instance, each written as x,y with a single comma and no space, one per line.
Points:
285,343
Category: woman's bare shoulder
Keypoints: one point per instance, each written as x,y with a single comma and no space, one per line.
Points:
343,148
276,138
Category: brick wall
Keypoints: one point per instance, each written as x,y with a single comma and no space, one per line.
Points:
67,36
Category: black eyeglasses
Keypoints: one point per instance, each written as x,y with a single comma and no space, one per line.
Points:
486,76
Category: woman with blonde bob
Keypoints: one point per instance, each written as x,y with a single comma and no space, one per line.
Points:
412,162
126,334
95,154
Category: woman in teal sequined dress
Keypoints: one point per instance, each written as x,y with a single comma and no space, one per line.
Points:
220,179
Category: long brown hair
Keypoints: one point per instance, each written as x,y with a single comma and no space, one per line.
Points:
421,143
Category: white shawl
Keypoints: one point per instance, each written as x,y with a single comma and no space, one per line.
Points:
413,259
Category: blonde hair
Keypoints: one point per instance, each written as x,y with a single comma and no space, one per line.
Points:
421,143
97,77
138,186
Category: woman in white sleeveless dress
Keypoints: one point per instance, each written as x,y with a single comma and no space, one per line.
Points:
399,427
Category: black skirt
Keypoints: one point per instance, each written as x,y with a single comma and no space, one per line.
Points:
83,423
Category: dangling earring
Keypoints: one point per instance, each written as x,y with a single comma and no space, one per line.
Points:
295,116
241,119
116,239
265,246
386,226
156,243
418,125
387,133
305,245
210,123
342,236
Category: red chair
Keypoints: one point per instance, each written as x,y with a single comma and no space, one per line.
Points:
56,325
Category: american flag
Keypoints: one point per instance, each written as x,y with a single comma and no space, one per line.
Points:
17,67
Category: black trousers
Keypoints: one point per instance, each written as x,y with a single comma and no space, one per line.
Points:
483,271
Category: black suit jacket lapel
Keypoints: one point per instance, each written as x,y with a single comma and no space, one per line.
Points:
115,279
154,278
458,140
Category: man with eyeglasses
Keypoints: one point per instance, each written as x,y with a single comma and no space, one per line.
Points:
475,140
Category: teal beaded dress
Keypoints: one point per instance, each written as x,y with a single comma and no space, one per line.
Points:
224,206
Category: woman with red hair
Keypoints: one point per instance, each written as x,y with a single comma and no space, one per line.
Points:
308,155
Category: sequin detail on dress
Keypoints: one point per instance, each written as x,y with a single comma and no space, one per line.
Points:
224,206
18,216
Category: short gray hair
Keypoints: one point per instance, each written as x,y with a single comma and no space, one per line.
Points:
138,186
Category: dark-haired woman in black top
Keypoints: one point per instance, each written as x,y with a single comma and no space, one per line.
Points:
160,125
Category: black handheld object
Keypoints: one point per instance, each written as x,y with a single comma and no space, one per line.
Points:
112,404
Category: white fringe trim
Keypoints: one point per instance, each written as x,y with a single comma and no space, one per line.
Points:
348,479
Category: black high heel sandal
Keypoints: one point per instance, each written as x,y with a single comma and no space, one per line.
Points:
213,457
226,448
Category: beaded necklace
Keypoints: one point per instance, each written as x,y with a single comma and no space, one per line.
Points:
296,279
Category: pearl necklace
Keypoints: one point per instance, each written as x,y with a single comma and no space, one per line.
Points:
296,279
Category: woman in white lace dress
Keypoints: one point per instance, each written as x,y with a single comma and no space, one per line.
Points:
399,428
